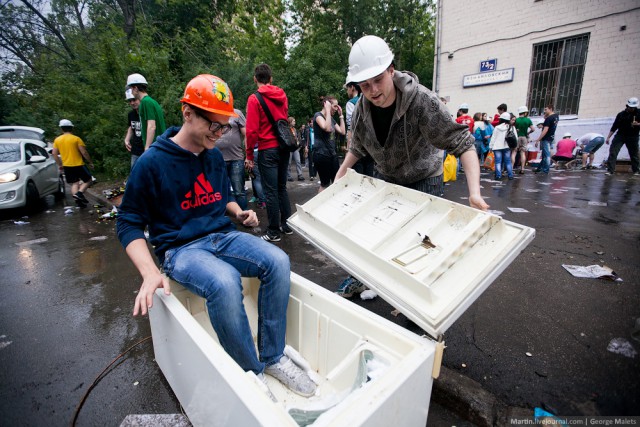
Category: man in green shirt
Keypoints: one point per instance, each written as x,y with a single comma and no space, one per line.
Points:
524,126
151,115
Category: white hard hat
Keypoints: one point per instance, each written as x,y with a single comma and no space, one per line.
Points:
136,79
128,95
65,123
369,56
523,109
632,102
567,135
463,106
505,116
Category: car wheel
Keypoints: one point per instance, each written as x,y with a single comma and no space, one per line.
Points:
33,197
60,193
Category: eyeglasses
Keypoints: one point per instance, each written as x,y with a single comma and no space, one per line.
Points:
214,126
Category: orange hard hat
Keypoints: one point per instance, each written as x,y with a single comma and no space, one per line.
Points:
209,93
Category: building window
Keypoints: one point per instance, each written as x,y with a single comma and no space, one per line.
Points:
557,69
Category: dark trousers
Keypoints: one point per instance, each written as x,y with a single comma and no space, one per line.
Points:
312,169
616,145
273,164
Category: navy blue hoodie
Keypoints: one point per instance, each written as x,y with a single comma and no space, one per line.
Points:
179,195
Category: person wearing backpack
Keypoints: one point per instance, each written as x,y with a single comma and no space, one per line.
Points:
500,146
273,161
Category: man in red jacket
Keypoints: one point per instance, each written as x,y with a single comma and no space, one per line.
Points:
272,161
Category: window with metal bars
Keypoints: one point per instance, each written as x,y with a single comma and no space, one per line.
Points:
557,69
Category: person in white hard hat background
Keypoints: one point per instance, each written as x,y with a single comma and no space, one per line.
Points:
133,138
589,143
152,122
627,126
565,152
524,126
404,127
69,152
465,118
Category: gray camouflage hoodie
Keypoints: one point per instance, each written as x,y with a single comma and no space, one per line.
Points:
421,127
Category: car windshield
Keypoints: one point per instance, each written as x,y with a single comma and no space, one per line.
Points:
20,134
9,153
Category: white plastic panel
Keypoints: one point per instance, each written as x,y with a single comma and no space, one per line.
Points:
428,257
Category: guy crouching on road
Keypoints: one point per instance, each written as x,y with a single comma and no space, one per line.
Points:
180,190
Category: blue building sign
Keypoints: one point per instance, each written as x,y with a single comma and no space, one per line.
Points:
488,65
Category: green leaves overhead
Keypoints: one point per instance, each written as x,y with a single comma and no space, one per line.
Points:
70,58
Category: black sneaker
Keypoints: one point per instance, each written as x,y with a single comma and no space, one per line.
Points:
80,196
286,229
271,237
301,178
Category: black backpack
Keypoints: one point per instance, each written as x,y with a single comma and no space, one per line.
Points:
286,139
511,138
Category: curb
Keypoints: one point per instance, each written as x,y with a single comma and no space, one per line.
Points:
469,400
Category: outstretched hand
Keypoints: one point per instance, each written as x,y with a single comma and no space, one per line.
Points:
144,299
478,203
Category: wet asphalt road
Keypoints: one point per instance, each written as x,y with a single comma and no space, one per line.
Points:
64,316
66,302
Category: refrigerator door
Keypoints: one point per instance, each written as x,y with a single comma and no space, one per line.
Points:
428,257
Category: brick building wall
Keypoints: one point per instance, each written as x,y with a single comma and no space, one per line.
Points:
509,34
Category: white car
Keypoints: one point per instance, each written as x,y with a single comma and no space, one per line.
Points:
27,173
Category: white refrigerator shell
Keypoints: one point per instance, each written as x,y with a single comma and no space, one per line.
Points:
428,257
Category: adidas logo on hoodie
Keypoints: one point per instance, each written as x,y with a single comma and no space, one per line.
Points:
201,195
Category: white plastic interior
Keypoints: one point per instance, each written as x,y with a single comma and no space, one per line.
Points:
427,256
343,344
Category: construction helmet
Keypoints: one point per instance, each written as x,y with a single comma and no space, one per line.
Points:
632,102
209,93
505,116
65,123
523,109
369,56
128,95
463,106
136,79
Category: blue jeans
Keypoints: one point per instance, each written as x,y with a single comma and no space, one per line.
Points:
504,156
211,267
295,157
258,193
545,161
235,172
273,164
134,159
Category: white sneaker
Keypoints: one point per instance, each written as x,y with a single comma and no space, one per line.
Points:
294,378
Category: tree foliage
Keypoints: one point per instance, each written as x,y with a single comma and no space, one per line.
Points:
70,58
